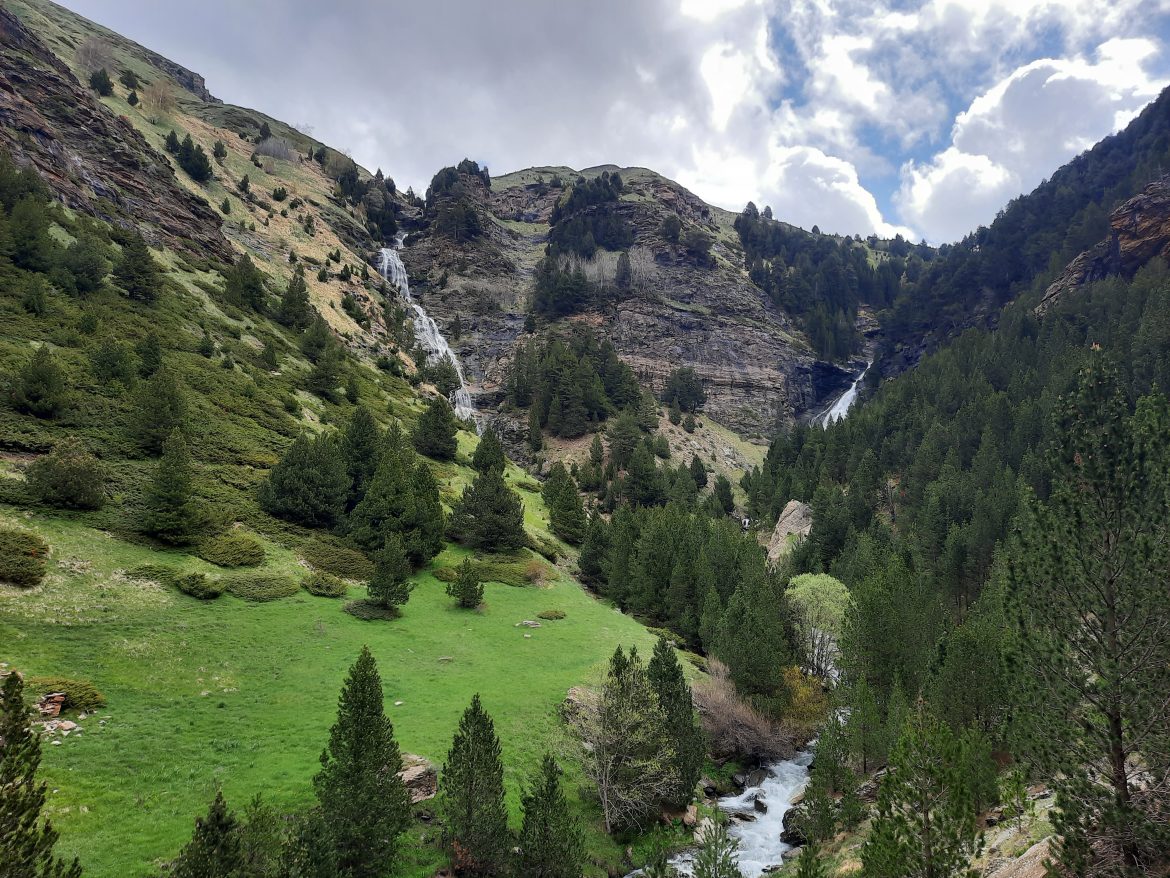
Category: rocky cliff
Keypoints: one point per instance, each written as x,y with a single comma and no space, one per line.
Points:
1139,230
755,364
96,162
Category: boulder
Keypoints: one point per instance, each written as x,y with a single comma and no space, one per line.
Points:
690,817
705,826
794,524
420,777
793,832
743,816
757,776
760,803
50,705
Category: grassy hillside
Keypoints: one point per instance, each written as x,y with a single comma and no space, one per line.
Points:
241,695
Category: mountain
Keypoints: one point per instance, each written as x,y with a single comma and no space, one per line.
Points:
688,301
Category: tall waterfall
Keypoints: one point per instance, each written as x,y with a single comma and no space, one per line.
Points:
425,328
840,406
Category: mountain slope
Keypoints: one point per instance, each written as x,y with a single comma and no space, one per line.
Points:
680,308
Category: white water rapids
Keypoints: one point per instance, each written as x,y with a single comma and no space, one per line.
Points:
841,404
759,839
425,328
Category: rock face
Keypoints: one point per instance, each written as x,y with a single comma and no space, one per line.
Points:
755,364
422,782
95,161
1139,230
795,522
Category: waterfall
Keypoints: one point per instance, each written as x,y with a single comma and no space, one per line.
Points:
840,406
425,328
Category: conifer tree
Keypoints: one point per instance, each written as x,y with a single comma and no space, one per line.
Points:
317,339
149,350
809,864
160,408
925,825
551,845
100,82
535,436
325,375
26,841
214,848
471,789
426,523
434,434
136,272
594,550
69,476
489,454
674,697
466,588
864,727
172,512
132,99
390,585
361,446
596,451
1089,580
364,802
40,388
172,142
718,856
244,285
309,485
566,512
489,515
308,849
698,472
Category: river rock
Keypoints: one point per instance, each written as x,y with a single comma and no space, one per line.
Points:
705,826
793,833
757,776
760,802
419,776
743,816
690,817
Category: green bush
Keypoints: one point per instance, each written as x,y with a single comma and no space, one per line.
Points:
546,548
333,556
518,571
154,573
233,549
22,557
551,614
325,585
68,476
261,587
199,586
370,611
79,694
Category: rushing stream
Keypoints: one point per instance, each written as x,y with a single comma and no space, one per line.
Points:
425,328
840,406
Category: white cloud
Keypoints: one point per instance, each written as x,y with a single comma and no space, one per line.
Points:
1021,129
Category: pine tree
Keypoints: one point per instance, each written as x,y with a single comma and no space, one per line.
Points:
132,99
594,549
69,476
364,802
596,451
325,375
295,310
172,512
718,856
1089,579
214,848
100,82
489,515
390,586
434,434
466,588
26,842
136,272
489,454
424,527
925,825
39,389
160,408
864,727
674,697
471,789
308,849
309,485
172,142
551,844
565,510
809,864
361,447
244,285
318,338
698,472
535,436
149,351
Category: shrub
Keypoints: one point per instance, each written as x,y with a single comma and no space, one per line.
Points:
279,193
79,694
325,585
22,557
332,556
199,586
551,615
68,476
154,573
275,147
370,611
234,549
733,727
100,82
261,587
546,548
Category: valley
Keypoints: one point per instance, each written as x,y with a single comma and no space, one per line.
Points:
560,523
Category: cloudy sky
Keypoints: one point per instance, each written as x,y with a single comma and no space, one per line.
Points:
858,116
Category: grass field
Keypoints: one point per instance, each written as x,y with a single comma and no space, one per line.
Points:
240,695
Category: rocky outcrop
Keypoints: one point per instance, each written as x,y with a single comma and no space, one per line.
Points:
1139,230
420,778
94,161
795,523
755,365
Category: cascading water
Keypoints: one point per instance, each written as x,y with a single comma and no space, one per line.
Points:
841,404
760,846
425,328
